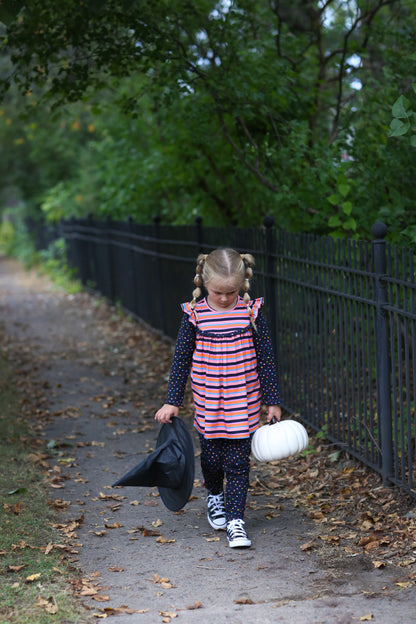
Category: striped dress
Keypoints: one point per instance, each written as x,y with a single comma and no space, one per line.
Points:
222,357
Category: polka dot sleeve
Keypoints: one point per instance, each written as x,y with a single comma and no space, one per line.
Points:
266,363
181,363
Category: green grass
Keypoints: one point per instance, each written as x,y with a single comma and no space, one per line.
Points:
25,529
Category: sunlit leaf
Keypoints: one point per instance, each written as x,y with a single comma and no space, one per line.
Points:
33,577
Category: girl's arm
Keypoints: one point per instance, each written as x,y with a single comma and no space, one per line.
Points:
179,371
267,368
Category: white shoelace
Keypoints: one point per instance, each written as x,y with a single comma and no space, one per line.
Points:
216,505
236,529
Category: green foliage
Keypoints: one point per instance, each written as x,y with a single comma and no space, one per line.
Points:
228,111
404,119
16,241
342,221
7,235
53,262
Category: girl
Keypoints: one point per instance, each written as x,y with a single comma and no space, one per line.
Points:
224,342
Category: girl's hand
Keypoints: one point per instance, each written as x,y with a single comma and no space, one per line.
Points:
164,415
273,411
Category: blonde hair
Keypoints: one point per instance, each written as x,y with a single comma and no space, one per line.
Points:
226,263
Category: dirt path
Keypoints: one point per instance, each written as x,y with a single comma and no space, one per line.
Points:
97,380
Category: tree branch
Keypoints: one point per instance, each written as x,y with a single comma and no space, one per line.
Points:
366,18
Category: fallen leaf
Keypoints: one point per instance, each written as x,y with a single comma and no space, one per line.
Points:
115,525
14,509
164,582
88,591
243,601
167,616
33,577
59,504
49,605
150,533
164,540
67,460
197,605
106,497
115,569
366,525
16,568
120,610
308,545
48,548
372,546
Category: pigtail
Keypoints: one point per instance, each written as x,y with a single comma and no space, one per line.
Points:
198,279
249,263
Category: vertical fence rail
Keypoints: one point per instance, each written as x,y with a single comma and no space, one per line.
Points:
342,316
383,384
270,273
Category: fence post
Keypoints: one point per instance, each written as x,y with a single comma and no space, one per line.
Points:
199,235
379,231
132,268
270,268
90,253
109,286
156,221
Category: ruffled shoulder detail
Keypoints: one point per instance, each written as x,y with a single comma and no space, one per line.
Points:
256,305
186,307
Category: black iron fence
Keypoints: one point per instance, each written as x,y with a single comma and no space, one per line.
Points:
342,315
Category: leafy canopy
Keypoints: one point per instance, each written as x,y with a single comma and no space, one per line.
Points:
227,109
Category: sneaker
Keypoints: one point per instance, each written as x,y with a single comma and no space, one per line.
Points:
236,534
216,511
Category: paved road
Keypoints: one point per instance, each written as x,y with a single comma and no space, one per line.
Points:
154,565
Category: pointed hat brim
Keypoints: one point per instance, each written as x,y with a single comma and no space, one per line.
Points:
170,467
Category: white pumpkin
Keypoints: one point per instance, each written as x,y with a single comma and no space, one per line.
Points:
279,440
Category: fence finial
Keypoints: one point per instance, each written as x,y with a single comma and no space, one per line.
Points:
379,230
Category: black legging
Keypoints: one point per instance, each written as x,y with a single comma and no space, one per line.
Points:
229,458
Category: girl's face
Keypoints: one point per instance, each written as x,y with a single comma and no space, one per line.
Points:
222,292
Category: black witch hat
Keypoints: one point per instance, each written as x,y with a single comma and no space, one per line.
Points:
171,466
